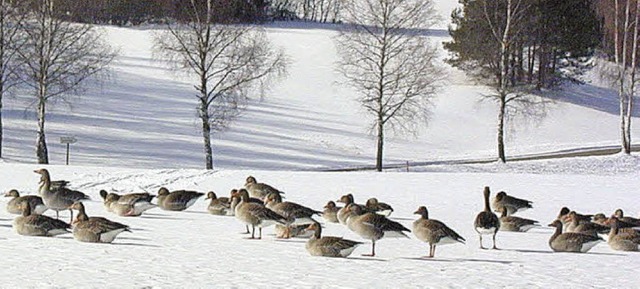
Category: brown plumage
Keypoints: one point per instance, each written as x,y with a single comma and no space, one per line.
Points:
14,205
55,195
372,226
28,224
95,229
259,190
516,224
177,200
218,206
571,242
487,223
590,228
330,213
623,241
512,204
328,246
619,214
373,205
433,231
295,214
603,220
128,205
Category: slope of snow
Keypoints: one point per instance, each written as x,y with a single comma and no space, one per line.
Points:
195,249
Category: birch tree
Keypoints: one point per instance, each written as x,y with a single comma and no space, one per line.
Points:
11,17
57,59
226,61
389,63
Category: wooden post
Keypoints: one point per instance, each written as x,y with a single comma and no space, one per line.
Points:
68,140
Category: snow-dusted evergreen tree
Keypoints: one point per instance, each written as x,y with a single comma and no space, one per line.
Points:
227,61
387,59
56,59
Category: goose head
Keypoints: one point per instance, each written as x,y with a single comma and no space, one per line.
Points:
330,205
211,195
346,199
163,191
250,180
13,193
422,211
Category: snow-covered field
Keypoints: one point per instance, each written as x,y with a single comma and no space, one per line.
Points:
138,131
193,249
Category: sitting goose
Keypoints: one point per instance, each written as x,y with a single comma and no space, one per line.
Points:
95,229
487,223
38,225
57,197
623,241
297,231
433,231
512,204
516,224
14,205
218,206
330,213
177,200
128,198
128,208
259,190
564,218
372,226
378,207
589,228
601,219
571,242
254,214
327,246
619,214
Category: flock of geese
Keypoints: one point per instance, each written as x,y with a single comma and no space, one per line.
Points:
259,205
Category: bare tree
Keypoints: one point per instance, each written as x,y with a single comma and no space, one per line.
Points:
58,57
228,61
387,60
11,17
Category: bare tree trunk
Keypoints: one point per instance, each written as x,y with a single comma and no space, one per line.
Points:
380,147
634,64
621,62
501,120
206,134
1,123
41,143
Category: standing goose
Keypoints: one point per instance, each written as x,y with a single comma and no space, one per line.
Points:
619,214
330,213
433,231
571,242
218,206
254,214
512,204
487,223
378,207
57,196
177,200
328,246
234,201
14,205
295,214
95,229
372,226
623,241
38,225
516,224
259,190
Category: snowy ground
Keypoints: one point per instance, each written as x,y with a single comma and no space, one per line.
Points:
195,249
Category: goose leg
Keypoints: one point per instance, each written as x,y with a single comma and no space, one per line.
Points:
253,231
373,249
494,240
260,232
71,220
247,227
481,247
433,251
57,214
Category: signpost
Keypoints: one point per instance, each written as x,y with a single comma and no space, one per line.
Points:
68,140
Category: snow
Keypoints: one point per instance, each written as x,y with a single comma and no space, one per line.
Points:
138,131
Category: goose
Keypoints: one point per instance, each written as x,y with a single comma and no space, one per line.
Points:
516,224
330,213
487,223
13,206
342,213
512,204
177,200
38,225
372,226
254,214
601,219
619,214
128,198
378,207
571,242
55,195
234,201
623,241
259,190
433,231
297,231
328,246
296,214
218,206
95,229
131,208
589,228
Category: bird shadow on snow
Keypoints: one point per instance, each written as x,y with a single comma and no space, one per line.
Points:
6,226
166,217
459,260
137,244
366,259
